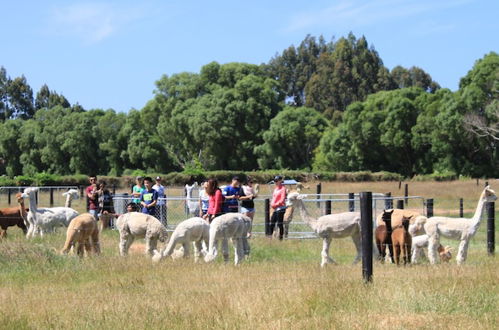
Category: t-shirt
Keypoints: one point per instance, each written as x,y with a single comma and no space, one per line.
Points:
205,200
231,205
92,204
149,196
279,198
215,203
248,203
137,189
161,193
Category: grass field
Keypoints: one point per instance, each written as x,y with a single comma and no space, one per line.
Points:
281,287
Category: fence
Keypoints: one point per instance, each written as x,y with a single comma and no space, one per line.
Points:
47,196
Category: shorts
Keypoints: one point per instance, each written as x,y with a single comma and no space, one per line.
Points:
95,213
247,210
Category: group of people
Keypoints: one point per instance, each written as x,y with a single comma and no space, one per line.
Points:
213,201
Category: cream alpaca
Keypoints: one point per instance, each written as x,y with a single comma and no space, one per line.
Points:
84,232
137,225
229,225
462,229
195,230
330,226
420,242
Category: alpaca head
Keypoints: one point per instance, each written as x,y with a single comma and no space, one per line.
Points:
405,222
163,235
71,194
387,215
19,198
189,188
300,186
417,228
445,253
29,192
489,195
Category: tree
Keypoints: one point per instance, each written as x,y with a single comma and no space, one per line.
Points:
49,99
4,95
292,138
413,77
20,99
10,152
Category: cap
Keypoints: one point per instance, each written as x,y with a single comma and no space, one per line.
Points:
236,177
158,178
138,178
277,178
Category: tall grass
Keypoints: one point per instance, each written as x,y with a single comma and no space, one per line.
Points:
280,287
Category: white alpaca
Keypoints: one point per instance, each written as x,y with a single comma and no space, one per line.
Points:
195,230
44,220
420,242
330,226
140,225
229,225
70,195
462,229
192,203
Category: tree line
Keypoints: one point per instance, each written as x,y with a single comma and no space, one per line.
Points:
324,106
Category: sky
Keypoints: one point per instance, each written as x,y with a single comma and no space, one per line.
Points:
109,54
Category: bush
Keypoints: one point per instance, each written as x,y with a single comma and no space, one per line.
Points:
5,181
24,180
45,179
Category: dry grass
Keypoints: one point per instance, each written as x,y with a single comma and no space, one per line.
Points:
281,287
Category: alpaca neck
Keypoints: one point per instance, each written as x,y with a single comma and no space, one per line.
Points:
309,220
32,203
68,201
22,209
479,209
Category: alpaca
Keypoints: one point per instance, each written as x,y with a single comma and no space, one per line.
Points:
383,235
329,226
229,225
133,225
462,229
13,216
44,220
420,242
402,241
84,232
191,203
195,230
70,195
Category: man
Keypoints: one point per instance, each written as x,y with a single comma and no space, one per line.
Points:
92,197
161,201
148,198
278,204
231,195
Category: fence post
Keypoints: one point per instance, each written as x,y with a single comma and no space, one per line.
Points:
351,202
366,230
388,201
267,217
8,196
400,204
114,189
82,190
319,191
328,207
406,193
429,207
51,191
461,207
491,239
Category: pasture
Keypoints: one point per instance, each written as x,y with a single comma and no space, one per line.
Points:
280,287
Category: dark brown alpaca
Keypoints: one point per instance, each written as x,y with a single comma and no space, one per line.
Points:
402,241
13,216
383,235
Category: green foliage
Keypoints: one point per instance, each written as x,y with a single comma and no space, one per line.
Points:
24,180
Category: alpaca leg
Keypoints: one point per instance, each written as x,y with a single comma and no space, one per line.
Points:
125,241
462,252
225,249
151,243
246,246
414,256
79,250
88,246
326,242
198,246
358,247
239,250
433,243
187,249
95,240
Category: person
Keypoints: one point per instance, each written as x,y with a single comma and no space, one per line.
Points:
216,199
148,198
204,200
92,197
106,207
161,199
137,189
247,203
131,207
231,195
278,204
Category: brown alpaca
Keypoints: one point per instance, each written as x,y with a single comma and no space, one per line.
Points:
402,241
13,216
84,231
397,215
383,235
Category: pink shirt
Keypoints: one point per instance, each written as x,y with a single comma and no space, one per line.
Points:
215,203
278,197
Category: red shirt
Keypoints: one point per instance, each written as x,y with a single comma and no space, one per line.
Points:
93,204
278,197
215,203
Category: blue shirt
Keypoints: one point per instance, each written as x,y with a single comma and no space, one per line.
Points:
149,196
231,205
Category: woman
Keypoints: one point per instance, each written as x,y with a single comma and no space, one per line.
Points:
106,207
278,204
216,199
137,189
247,203
204,200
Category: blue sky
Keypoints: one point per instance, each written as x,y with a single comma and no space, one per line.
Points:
108,54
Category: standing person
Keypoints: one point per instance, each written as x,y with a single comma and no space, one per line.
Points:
92,197
137,189
204,200
106,207
161,199
216,199
232,194
247,203
278,204
148,198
